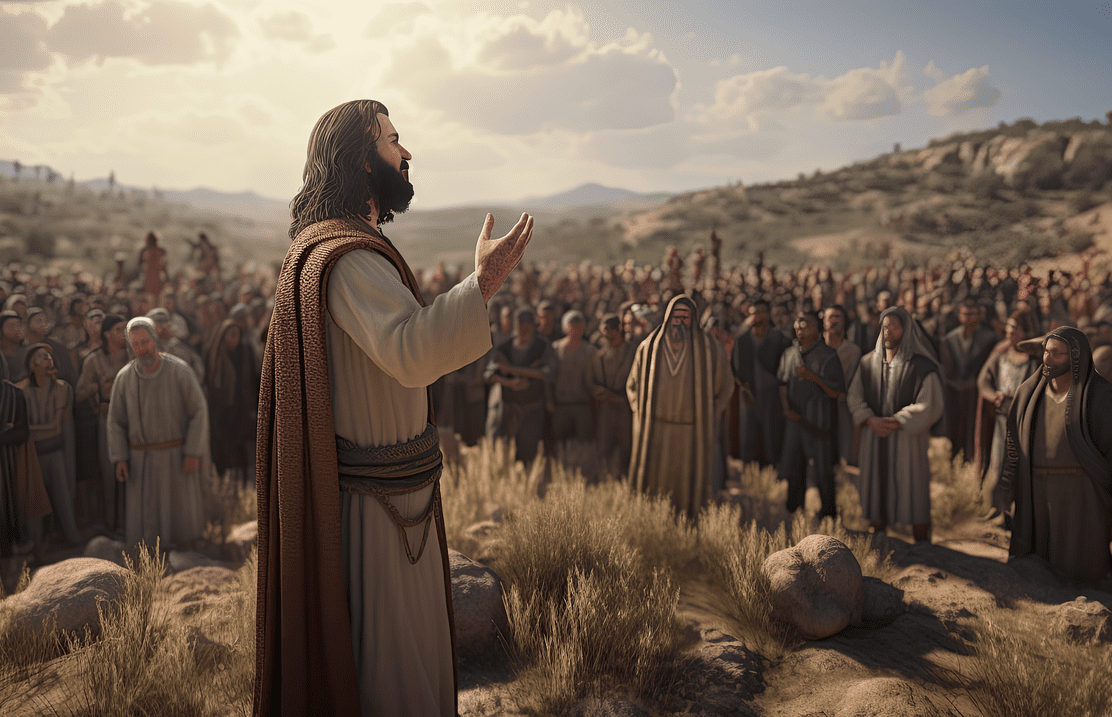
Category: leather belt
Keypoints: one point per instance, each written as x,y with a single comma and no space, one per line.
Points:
158,446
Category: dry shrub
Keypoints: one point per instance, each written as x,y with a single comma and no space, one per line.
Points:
763,496
956,495
1020,672
227,501
484,479
591,591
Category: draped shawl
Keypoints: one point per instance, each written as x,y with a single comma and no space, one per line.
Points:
649,361
304,655
1088,429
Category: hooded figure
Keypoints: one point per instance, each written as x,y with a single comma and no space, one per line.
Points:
679,387
1063,489
901,403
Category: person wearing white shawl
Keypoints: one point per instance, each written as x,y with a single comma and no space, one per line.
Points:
896,397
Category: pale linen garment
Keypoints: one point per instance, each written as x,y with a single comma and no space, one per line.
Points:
383,350
160,501
909,473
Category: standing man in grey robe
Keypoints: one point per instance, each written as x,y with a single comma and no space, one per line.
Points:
573,418
1059,460
896,397
754,361
157,435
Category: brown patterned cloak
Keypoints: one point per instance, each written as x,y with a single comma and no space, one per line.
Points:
304,656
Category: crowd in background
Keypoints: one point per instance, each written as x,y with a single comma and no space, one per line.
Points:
562,346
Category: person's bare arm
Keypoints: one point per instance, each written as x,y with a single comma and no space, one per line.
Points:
496,258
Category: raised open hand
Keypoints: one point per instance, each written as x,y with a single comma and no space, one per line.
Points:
496,258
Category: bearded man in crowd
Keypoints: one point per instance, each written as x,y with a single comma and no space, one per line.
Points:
157,436
761,418
573,418
173,345
834,320
963,352
354,613
896,397
1059,461
679,387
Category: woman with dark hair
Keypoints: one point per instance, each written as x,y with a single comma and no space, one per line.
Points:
98,373
1004,370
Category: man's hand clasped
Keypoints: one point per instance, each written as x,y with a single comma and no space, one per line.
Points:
884,427
496,258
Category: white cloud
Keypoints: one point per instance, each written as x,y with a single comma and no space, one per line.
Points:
22,49
737,97
296,27
932,71
961,93
517,76
165,32
866,93
395,17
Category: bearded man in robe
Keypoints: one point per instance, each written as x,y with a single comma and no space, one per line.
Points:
896,398
354,611
679,387
609,374
157,435
1059,461
754,361
963,353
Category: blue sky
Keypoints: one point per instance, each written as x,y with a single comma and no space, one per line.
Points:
499,100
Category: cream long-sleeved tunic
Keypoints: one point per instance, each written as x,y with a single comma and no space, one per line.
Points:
384,349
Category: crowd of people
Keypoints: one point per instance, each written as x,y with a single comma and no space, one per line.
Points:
121,391
661,372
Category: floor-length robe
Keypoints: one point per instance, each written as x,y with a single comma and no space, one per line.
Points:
145,412
383,350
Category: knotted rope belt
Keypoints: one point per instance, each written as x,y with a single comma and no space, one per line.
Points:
399,469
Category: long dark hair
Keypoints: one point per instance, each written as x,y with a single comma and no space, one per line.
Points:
335,182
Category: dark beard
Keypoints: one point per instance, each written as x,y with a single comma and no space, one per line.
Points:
677,333
1050,372
390,191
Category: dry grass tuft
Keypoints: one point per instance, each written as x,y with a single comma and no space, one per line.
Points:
1023,672
956,495
228,502
591,575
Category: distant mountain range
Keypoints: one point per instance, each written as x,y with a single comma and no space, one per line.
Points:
250,204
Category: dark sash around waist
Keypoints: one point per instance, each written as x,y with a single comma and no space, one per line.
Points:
398,469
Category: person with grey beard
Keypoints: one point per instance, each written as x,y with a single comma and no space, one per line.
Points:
157,437
679,387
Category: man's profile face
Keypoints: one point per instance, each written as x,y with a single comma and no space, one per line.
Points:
892,331
391,190
117,335
42,359
834,321
1056,358
759,312
546,320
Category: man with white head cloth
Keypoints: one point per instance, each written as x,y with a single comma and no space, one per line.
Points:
157,435
896,397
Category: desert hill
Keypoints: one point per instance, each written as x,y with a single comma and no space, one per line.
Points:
1019,192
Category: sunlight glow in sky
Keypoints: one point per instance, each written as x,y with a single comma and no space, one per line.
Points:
499,100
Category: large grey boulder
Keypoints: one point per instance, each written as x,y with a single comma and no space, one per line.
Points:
477,603
816,586
68,592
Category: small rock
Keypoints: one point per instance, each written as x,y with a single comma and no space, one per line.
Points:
477,604
1083,621
238,544
68,591
816,586
179,561
106,549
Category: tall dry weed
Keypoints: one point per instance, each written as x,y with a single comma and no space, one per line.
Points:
956,495
591,576
1021,672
